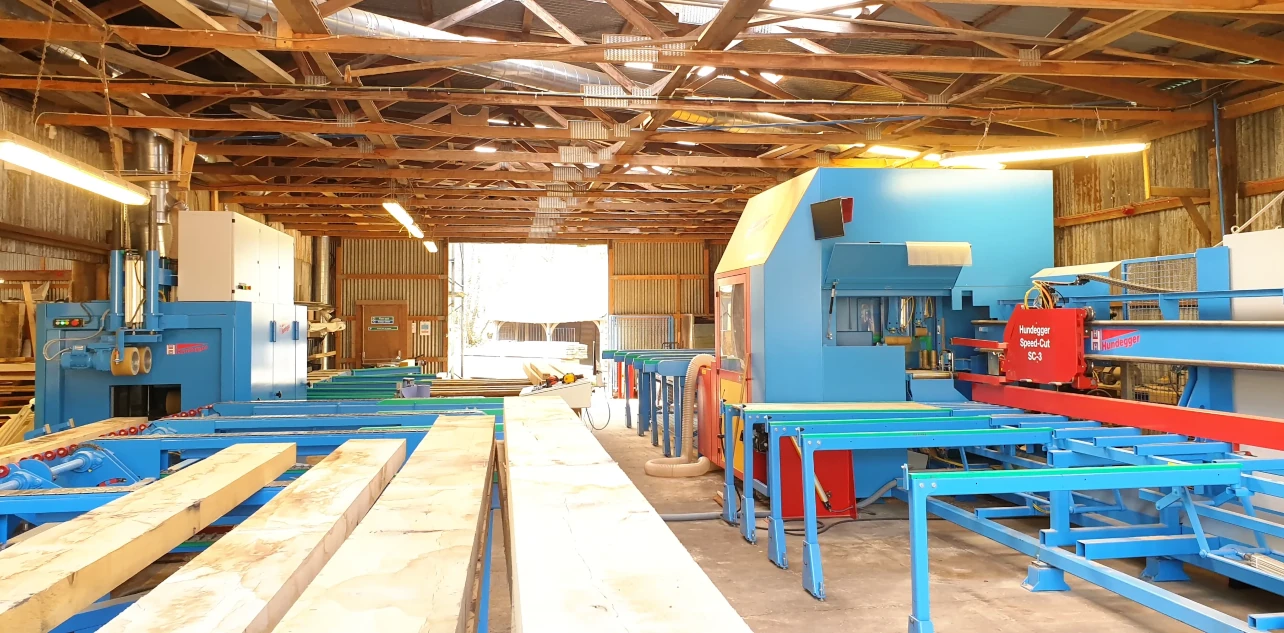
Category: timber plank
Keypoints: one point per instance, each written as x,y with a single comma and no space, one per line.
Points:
56,574
571,508
63,439
408,566
247,580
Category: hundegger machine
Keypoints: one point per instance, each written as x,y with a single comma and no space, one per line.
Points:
845,286
233,332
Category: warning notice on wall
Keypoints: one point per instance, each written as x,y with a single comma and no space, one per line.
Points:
383,328
382,320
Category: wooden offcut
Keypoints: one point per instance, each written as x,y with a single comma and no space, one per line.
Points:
64,439
54,575
408,567
589,553
248,579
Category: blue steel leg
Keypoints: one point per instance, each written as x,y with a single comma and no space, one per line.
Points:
664,411
677,417
483,596
920,620
813,574
748,527
729,467
657,396
1041,576
628,395
1058,533
776,546
1164,569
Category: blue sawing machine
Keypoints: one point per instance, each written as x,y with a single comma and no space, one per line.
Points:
140,355
845,285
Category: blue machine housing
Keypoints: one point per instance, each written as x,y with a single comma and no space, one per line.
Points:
210,351
798,356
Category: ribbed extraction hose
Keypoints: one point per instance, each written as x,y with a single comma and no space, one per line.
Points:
686,465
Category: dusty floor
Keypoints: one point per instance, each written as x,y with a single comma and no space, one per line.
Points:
976,583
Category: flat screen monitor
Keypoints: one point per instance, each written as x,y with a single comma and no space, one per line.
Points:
827,219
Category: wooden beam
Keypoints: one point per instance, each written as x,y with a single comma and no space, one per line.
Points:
14,453
1210,6
262,121
488,192
630,12
9,276
247,579
412,94
1123,211
255,112
469,156
1179,192
52,576
570,36
1206,36
474,175
464,13
431,517
1197,218
49,238
188,16
421,203
567,503
1108,33
331,7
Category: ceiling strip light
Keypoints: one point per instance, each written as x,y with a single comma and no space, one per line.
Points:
992,157
397,211
32,156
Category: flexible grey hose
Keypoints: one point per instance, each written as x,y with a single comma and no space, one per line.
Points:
704,516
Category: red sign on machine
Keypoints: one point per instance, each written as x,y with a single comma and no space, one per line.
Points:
1046,346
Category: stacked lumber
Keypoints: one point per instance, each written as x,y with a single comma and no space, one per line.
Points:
482,387
569,508
359,542
15,427
17,384
55,574
322,375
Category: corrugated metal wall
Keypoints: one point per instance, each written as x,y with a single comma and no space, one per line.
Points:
662,277
38,202
395,270
1089,185
1261,157
1181,160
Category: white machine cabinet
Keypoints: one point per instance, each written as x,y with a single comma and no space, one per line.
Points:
226,256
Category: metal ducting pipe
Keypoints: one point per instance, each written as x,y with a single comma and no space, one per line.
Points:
542,75
321,282
152,231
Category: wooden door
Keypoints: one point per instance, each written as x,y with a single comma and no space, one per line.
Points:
384,328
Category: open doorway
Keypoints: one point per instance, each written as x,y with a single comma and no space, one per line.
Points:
516,303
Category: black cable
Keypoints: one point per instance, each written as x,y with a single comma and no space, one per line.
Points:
588,417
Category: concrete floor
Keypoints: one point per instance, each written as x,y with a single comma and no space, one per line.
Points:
976,583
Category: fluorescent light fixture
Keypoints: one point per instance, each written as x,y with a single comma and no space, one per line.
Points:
687,143
987,158
40,159
415,231
772,77
592,165
397,211
430,245
704,71
900,152
663,170
485,149
640,65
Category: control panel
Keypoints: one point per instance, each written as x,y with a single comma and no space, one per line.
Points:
72,322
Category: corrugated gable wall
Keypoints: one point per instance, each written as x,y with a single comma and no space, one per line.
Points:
1181,160
662,277
399,270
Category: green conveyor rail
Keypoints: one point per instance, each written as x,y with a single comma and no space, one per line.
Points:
1093,470
808,424
988,433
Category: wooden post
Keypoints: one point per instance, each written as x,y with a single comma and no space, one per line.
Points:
340,359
